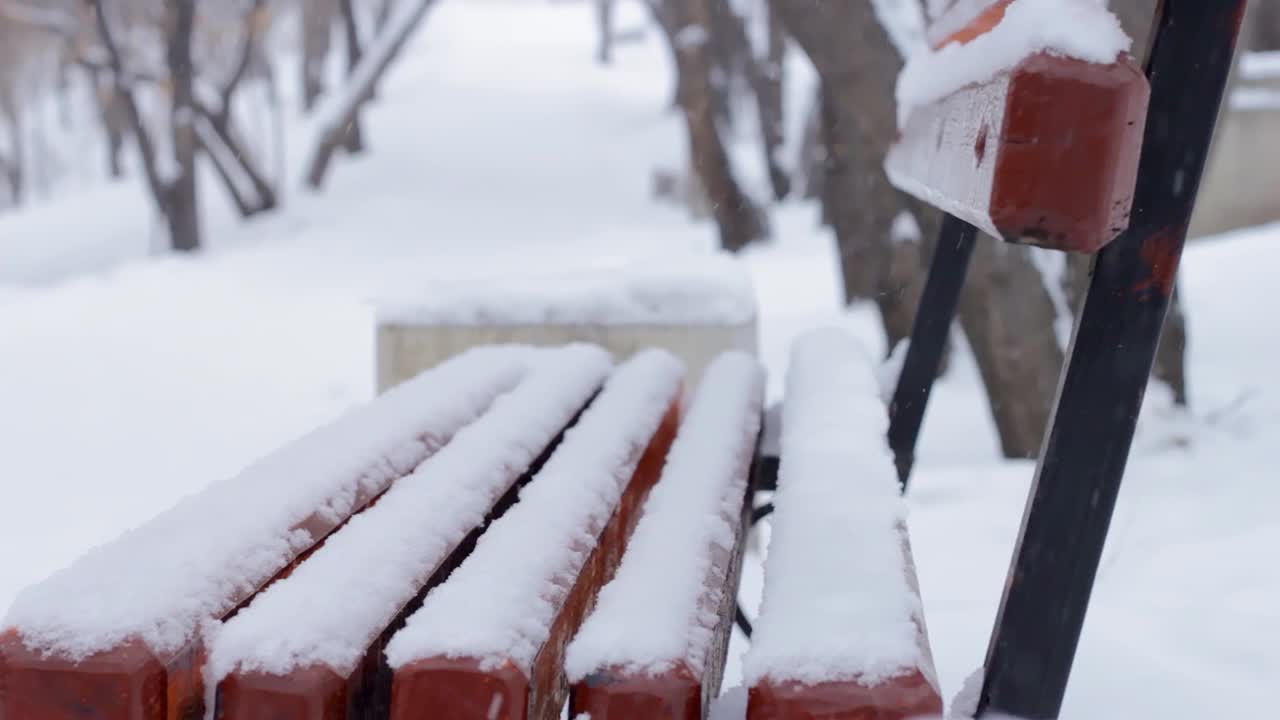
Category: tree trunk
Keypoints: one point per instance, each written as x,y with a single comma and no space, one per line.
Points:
114,126
354,142
1007,315
686,24
604,20
758,71
1265,35
343,107
13,166
859,66
184,211
316,17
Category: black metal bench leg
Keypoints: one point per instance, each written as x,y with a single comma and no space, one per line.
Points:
1083,459
928,340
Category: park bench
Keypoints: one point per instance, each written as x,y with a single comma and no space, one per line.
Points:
476,542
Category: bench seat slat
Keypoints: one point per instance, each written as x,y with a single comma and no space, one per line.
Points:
315,635
655,647
490,641
127,615
845,640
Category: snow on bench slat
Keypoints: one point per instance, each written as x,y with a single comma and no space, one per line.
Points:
198,560
508,612
1081,29
857,622
330,610
664,612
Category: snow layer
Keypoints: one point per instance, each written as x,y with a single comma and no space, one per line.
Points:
160,581
657,611
1082,29
500,604
696,289
336,603
837,488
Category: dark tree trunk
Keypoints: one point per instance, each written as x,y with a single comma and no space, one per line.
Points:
114,125
686,24
1007,316
184,210
757,71
13,166
604,19
346,105
354,142
1265,33
316,17
859,65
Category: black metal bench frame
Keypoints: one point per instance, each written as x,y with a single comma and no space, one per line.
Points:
1108,366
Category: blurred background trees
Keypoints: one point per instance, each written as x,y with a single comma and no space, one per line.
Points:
780,101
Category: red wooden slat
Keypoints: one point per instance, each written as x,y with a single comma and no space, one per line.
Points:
914,693
441,688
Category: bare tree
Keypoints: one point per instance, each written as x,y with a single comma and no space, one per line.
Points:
755,75
857,121
316,17
604,22
1265,33
687,26
354,141
339,110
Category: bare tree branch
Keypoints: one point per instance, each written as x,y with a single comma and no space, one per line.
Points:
160,189
337,110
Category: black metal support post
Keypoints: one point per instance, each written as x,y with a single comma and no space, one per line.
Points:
1083,459
928,340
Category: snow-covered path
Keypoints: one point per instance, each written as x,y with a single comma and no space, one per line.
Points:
499,143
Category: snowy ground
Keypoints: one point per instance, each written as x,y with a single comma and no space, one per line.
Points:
127,382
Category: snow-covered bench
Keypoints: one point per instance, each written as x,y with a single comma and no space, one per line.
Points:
489,642
841,631
317,637
1026,123
119,632
655,646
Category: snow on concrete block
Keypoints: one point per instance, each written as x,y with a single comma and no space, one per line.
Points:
490,641
310,647
119,630
846,640
1027,123
694,306
655,646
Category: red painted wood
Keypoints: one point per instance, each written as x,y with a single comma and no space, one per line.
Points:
462,689
911,694
142,685
1046,154
126,683
680,693
677,694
